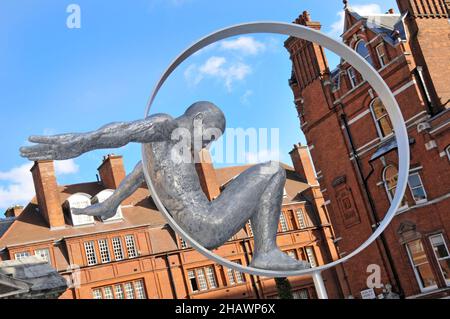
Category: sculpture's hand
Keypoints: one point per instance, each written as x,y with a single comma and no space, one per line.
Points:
56,147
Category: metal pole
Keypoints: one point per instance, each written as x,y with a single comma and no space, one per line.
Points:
320,285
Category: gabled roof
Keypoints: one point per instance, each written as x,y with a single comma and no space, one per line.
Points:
384,24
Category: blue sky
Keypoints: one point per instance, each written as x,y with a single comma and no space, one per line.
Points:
54,79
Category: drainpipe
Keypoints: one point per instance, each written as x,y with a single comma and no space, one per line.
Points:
252,278
169,270
372,213
424,89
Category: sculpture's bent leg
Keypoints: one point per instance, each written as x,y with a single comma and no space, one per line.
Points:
255,194
109,207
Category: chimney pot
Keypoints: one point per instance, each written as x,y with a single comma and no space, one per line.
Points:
14,211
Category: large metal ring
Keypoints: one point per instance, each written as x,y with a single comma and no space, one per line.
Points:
368,73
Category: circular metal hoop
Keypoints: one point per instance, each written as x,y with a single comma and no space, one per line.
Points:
369,74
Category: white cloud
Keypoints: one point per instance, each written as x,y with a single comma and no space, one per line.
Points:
365,9
264,155
19,188
217,67
245,98
244,45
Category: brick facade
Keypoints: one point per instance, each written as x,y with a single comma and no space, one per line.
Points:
354,151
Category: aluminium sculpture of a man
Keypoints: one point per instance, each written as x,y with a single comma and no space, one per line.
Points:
256,194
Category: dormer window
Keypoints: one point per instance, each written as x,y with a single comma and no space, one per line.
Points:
101,197
352,77
381,53
361,48
80,201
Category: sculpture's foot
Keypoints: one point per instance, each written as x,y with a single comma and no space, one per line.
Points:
96,210
277,260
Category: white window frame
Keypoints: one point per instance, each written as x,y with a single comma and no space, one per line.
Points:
21,254
377,122
381,55
211,277
131,246
118,248
129,290
388,190
108,292
447,150
43,253
103,248
91,255
250,229
416,273
97,293
302,223
421,186
300,294
283,223
118,291
351,73
447,281
311,255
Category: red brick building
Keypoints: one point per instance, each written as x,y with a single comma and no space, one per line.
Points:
136,255
354,151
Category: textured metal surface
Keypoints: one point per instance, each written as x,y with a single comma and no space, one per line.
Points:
255,194
368,73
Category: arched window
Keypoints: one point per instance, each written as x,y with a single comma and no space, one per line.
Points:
101,197
381,117
363,51
79,200
390,179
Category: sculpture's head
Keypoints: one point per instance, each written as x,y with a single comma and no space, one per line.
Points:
205,121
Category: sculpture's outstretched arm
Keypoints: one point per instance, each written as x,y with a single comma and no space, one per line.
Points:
65,146
109,207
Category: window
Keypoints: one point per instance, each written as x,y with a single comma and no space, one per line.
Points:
363,51
292,254
300,294
131,247
283,223
117,247
101,197
119,291
420,264
128,290
22,254
192,280
79,200
352,77
211,277
390,178
140,291
43,253
381,53
447,150
417,189
108,293
235,277
381,118
97,294
90,253
250,229
301,219
104,250
311,256
200,281
183,243
442,255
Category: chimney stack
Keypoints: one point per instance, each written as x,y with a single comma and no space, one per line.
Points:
302,164
14,211
112,171
207,175
47,193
